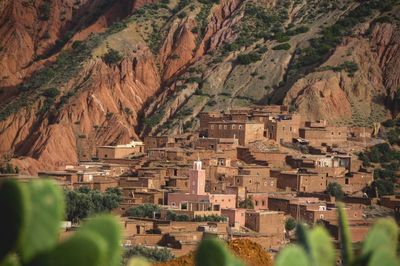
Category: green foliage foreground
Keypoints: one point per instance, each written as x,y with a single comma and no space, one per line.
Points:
315,246
32,212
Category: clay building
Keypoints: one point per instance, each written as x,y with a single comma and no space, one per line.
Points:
179,183
245,132
319,134
321,161
65,179
120,151
100,183
301,181
254,170
256,183
256,114
254,154
197,193
236,217
207,117
139,182
259,199
281,202
216,144
392,202
265,222
170,154
360,133
353,182
283,128
358,229
169,141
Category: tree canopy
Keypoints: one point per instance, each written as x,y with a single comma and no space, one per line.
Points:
146,210
247,203
334,189
83,202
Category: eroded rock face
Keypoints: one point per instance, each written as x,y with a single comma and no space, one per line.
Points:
32,31
28,30
104,111
329,95
320,96
385,41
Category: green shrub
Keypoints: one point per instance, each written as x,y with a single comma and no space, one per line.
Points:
381,186
281,37
210,218
290,224
393,136
153,120
201,19
146,210
112,57
334,189
9,168
348,66
51,93
32,213
83,202
172,216
283,46
152,254
382,153
182,15
247,203
246,59
389,123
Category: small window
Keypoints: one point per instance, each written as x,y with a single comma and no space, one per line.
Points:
263,203
225,126
290,128
283,128
220,126
233,126
212,126
240,126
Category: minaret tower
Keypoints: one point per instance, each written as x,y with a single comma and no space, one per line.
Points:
197,179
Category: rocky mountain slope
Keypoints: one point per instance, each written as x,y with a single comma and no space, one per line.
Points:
80,73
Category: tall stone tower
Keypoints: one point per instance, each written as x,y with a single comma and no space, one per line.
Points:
197,179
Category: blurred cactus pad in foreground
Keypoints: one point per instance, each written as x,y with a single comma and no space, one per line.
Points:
31,215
